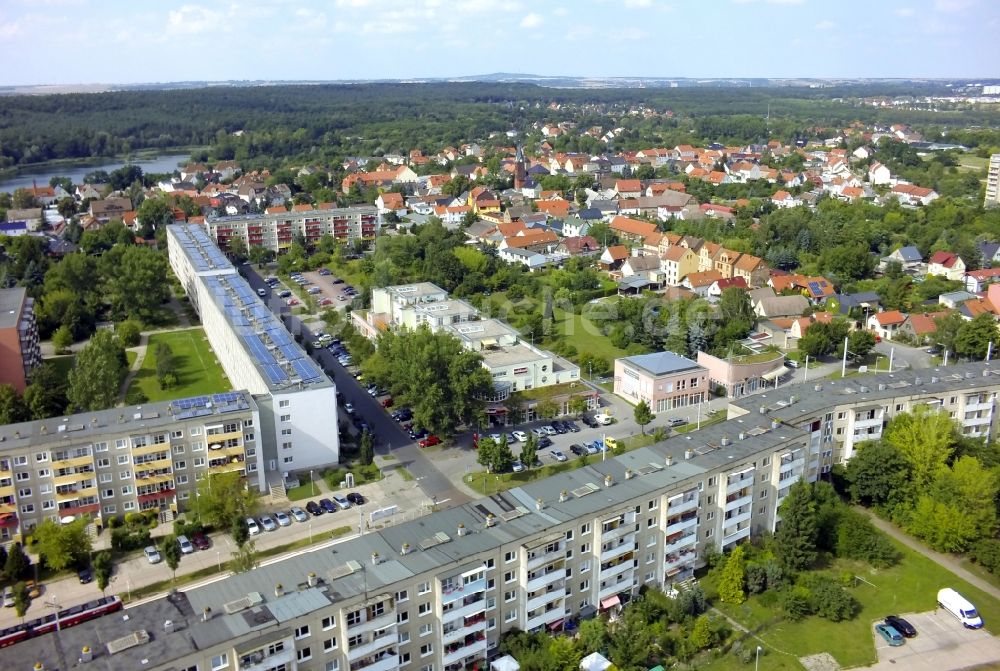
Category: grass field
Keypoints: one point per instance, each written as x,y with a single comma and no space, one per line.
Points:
973,162
586,337
196,368
62,364
910,586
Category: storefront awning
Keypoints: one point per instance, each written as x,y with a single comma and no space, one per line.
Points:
774,374
554,626
610,602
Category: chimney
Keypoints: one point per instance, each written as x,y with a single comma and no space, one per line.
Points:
539,504
491,520
688,453
86,654
376,559
461,529
670,460
724,442
934,379
311,579
168,626
563,495
206,614
404,549
742,435
629,474
775,424
818,387
608,480
279,589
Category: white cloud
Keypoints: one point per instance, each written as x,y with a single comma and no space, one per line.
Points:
905,12
309,18
634,4
192,19
531,20
560,11
825,24
9,29
952,6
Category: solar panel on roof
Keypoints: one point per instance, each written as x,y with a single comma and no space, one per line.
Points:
194,412
275,374
304,369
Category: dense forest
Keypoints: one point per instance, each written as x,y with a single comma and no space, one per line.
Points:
326,121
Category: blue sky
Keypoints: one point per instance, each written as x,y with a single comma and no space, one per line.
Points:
126,41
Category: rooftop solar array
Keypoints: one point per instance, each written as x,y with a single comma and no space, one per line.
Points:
279,359
215,404
201,249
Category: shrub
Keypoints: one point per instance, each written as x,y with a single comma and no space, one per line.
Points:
857,538
986,553
123,540
831,601
797,603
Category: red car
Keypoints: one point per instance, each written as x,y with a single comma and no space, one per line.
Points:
200,541
429,441
387,402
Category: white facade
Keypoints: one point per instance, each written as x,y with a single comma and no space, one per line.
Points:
276,231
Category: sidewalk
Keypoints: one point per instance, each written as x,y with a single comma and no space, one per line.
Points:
943,560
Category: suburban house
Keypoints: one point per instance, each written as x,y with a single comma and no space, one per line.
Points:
784,199
632,230
533,260
879,174
573,226
752,269
580,245
885,324
109,208
677,263
628,188
647,267
701,282
911,194
946,264
612,257
718,286
978,280
391,202
663,380
781,306
953,299
908,257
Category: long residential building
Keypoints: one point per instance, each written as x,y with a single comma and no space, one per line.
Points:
19,350
112,462
297,401
436,593
276,229
993,182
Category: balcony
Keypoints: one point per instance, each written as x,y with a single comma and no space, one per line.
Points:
545,598
71,478
681,525
236,464
153,464
8,508
545,619
544,558
151,448
383,621
682,504
462,591
542,580
977,421
617,588
792,464
236,451
475,644
153,478
977,406
739,502
387,662
477,625
617,551
221,438
473,606
735,484
622,530
388,639
73,494
672,561
258,661
678,543
617,569
73,462
735,536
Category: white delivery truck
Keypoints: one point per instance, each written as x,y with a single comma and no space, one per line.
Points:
959,606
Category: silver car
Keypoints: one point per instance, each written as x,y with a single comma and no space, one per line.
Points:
299,514
268,523
283,519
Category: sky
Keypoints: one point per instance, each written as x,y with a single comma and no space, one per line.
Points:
138,41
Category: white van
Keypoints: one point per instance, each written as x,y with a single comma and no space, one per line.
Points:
959,606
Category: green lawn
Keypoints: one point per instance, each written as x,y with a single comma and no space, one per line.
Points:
910,586
62,364
973,162
587,337
197,370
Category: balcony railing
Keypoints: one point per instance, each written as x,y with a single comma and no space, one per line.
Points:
739,502
545,579
681,524
461,591
388,639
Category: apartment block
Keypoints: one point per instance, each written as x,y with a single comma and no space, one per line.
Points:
297,400
993,182
276,230
436,593
19,351
112,462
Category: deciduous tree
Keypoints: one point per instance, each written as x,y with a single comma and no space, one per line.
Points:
925,439
732,582
643,415
96,374
795,539
63,545
172,554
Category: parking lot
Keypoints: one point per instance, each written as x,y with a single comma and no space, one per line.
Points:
942,643
331,292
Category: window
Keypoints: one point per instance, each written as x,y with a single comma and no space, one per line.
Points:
569,535
585,529
41,457
110,510
24,492
404,637
763,493
426,649
286,418
303,654
21,460
286,432
302,632
653,505
584,585
404,658
48,505
429,667
491,603
100,447
44,472
709,533
287,460
122,459
179,449
108,494
197,446
180,465
220,661
353,618
403,616
355,641
23,475
650,577
333,665
28,508
510,616
490,563
585,548
710,515
426,629
401,596
124,475
508,557
423,588
509,596
129,505
329,622
508,576
651,522
491,623
182,479
585,566
423,609
711,481
283,404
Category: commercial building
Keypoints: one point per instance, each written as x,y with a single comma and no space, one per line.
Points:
993,182
297,402
19,351
277,229
663,380
514,364
436,593
112,462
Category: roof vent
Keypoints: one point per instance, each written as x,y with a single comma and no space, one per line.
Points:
724,442
688,453
168,626
136,638
670,460
86,654
934,379
818,387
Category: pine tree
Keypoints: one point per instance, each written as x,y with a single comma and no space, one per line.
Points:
795,539
733,578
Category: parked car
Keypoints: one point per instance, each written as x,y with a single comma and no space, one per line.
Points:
560,427
571,425
960,607
284,293
86,575
677,421
578,450
268,523
152,554
901,625
282,518
792,363
418,434
8,597
200,540
186,546
252,526
590,421
544,442
558,456
891,636
356,498
314,509
349,408
34,588
262,292
603,419
517,466
429,441
328,505
538,431
519,436
342,501
550,430
324,271
299,514
387,402
612,443
511,439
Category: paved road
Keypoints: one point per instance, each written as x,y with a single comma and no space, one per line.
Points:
390,437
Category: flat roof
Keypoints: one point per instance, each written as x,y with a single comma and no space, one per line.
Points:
507,355
414,290
10,306
482,329
88,426
662,363
201,251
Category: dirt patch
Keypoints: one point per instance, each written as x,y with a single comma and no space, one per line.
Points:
824,661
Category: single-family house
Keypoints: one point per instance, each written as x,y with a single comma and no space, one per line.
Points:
574,226
879,174
863,300
973,308
885,324
782,198
580,245
109,208
391,202
920,327
32,218
647,267
977,280
911,194
752,269
700,282
613,257
632,230
946,264
663,380
531,259
677,262
718,286
908,257
781,306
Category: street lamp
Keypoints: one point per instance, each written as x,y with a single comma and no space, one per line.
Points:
756,659
312,482
218,558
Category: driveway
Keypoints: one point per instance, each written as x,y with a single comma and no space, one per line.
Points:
942,643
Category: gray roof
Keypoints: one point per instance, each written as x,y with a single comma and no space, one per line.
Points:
10,306
910,254
661,363
784,306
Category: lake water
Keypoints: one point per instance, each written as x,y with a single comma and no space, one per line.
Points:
164,163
